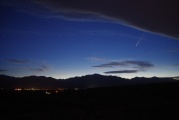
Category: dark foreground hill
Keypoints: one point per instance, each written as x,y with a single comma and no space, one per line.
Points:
88,81
134,102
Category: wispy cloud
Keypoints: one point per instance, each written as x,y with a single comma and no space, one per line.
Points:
143,15
111,64
3,70
96,59
140,64
121,71
39,69
17,61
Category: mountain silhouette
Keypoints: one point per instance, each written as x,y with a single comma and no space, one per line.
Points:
87,81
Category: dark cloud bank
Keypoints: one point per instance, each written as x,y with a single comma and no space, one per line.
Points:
3,70
138,65
121,71
158,16
143,64
17,61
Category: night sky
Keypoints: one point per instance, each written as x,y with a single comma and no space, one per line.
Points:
69,38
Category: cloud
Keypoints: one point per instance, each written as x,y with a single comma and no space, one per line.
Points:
40,69
157,16
96,59
139,64
17,61
121,71
142,64
37,69
44,67
2,70
111,64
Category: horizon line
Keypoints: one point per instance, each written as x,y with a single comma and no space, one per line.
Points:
174,77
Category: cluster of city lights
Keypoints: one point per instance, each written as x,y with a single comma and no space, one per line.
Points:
35,89
47,91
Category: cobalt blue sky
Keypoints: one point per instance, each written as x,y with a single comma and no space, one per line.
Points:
63,39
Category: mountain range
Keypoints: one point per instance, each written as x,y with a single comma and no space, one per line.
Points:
87,81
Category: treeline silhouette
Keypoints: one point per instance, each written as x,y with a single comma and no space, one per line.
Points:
87,81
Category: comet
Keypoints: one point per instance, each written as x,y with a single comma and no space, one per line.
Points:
138,41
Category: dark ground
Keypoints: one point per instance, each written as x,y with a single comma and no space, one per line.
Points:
144,102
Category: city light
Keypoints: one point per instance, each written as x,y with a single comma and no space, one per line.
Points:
18,89
48,93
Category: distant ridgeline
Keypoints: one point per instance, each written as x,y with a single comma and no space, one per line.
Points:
88,81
